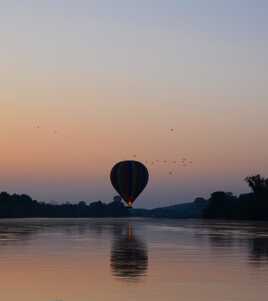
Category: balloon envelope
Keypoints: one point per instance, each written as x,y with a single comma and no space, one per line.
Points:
129,178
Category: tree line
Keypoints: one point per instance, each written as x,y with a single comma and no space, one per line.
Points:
251,206
19,206
220,205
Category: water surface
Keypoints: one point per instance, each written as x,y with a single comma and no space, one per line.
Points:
136,259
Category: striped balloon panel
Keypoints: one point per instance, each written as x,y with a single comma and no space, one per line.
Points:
129,179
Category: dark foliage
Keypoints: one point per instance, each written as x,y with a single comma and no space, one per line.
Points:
253,206
19,206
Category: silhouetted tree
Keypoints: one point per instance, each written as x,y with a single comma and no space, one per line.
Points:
221,205
259,186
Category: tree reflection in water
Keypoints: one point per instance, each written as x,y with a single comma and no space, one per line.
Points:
129,257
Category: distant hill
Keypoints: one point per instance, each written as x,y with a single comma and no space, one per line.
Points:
185,210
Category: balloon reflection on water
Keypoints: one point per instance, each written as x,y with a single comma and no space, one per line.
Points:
129,257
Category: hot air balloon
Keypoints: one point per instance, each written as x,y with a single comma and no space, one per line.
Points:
129,178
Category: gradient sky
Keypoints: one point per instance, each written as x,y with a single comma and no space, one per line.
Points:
113,77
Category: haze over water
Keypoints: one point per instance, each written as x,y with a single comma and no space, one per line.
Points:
136,259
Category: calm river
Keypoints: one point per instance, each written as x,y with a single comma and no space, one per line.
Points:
136,259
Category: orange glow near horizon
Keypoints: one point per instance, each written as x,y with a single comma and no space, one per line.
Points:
76,100
56,142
